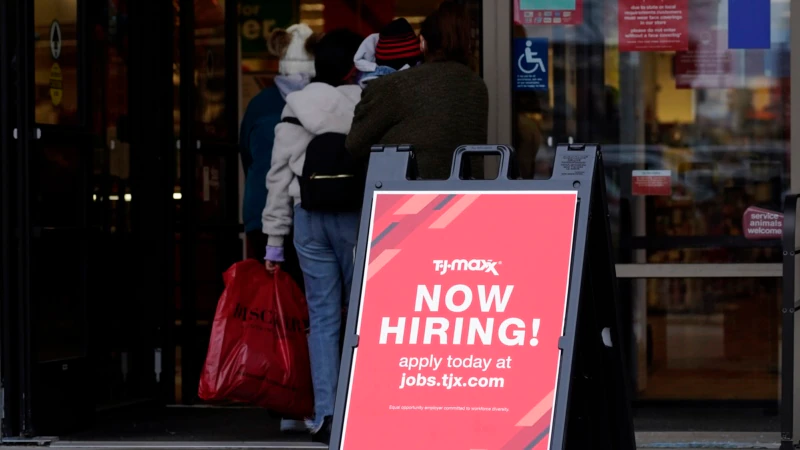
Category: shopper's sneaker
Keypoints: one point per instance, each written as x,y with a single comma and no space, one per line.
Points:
290,426
323,435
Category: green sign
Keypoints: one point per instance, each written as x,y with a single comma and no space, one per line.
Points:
257,19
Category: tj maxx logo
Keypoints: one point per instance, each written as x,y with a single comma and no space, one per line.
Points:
461,265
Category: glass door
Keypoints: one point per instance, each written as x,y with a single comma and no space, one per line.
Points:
84,238
9,362
125,301
208,228
695,137
53,206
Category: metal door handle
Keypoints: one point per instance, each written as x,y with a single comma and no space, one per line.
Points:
36,134
157,364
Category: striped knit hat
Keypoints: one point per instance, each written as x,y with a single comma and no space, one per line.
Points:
398,45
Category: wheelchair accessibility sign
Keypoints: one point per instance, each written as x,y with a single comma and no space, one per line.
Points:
530,68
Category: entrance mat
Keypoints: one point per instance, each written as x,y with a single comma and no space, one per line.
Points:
708,440
185,424
707,419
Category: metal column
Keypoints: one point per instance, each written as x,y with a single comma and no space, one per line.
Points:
794,45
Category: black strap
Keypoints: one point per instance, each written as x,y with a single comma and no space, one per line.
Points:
292,120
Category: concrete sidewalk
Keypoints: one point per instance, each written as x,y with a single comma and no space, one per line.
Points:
645,440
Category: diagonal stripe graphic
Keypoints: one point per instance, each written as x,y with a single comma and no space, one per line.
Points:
386,207
388,216
384,233
380,262
444,202
528,434
538,439
454,211
415,204
538,411
407,226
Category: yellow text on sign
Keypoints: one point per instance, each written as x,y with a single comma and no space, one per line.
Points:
56,85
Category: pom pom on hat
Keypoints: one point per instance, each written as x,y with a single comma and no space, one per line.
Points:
293,47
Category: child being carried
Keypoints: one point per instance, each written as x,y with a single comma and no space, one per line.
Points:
395,48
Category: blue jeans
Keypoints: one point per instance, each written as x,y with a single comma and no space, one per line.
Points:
325,243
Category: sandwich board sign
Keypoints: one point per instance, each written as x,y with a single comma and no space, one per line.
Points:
483,312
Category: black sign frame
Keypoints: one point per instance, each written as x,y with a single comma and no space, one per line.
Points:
592,405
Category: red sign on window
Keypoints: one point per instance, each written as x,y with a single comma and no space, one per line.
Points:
759,223
707,64
548,12
651,182
461,312
653,25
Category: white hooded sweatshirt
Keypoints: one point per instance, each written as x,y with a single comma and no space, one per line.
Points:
320,108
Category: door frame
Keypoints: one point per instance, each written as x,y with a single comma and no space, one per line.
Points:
8,143
489,33
23,129
794,157
500,116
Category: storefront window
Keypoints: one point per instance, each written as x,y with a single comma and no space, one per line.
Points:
56,62
258,18
707,338
209,63
692,110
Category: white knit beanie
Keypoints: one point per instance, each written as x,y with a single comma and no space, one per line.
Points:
296,60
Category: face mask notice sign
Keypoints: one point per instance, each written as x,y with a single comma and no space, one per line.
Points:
462,322
653,25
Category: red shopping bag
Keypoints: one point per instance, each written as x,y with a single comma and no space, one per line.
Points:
258,351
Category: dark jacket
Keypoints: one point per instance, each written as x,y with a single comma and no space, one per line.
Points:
436,107
256,138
